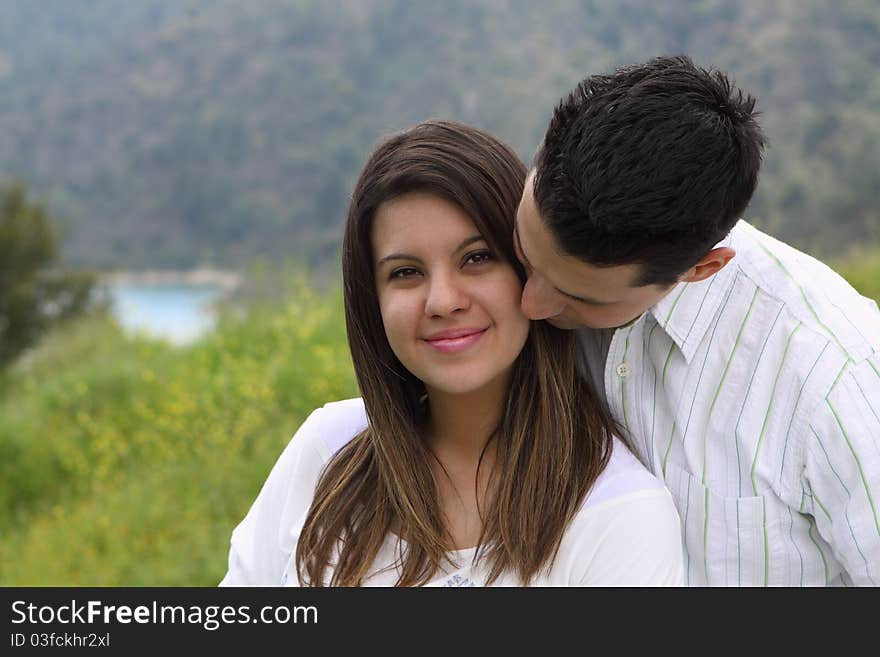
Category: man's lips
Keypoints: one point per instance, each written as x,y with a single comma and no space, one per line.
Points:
453,340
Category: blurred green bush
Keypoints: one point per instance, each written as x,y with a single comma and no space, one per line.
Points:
127,462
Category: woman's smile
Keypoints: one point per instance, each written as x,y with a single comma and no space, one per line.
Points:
455,340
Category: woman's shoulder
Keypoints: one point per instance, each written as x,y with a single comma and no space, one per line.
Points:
323,433
263,541
627,532
338,422
622,478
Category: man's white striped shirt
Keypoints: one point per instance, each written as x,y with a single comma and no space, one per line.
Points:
755,395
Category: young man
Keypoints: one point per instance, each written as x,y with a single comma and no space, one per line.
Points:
745,373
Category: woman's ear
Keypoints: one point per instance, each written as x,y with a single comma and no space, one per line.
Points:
709,264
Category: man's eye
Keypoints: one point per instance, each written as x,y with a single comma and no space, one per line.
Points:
478,257
404,272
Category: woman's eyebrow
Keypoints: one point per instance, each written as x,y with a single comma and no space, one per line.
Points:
468,241
398,256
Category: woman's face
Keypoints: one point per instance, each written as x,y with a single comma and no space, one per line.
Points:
449,305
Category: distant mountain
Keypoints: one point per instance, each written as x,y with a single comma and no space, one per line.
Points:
174,133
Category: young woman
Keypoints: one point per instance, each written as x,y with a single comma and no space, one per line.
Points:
477,454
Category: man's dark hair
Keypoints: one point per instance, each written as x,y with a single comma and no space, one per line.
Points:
651,165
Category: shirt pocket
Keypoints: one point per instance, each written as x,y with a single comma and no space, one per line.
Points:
728,541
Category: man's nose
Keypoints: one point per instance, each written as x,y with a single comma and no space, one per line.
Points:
445,296
539,300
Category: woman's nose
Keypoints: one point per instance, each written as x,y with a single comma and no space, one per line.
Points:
446,295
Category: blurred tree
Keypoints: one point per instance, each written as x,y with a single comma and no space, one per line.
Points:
33,295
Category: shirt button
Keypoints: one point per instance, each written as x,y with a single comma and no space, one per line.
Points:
623,370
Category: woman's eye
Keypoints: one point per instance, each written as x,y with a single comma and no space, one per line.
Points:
403,272
478,257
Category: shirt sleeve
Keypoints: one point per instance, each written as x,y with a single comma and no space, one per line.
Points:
261,544
633,541
842,470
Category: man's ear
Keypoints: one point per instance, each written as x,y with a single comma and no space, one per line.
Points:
709,264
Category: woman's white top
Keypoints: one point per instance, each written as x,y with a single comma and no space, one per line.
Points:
626,533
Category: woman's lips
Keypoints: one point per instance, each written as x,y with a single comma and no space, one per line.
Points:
453,341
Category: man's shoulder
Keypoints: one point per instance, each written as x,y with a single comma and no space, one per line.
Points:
808,292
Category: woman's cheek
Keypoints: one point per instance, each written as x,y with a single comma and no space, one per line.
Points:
400,328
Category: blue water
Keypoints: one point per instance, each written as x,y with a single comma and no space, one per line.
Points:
177,313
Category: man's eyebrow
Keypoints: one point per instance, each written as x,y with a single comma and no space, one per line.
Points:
406,256
519,241
573,297
592,302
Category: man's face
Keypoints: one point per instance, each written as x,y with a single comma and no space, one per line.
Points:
568,292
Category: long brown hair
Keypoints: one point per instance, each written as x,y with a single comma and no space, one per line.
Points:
554,436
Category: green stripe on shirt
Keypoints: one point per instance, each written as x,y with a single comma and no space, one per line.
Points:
769,406
806,300
856,457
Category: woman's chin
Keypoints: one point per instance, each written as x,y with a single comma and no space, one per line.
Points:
469,383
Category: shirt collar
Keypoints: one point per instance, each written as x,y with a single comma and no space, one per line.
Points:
688,310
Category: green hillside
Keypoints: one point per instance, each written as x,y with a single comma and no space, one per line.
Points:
184,132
